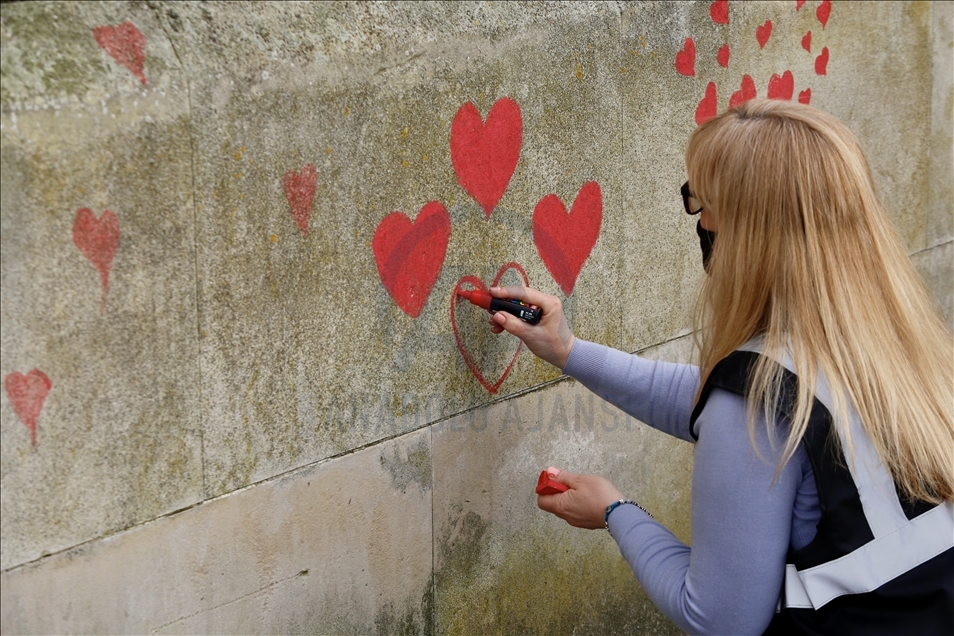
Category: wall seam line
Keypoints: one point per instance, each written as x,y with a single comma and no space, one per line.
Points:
944,242
195,247
311,465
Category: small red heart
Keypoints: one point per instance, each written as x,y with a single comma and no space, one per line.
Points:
472,282
719,11
97,240
708,105
563,240
126,44
807,42
763,33
686,59
410,255
485,155
781,87
723,56
300,192
745,92
27,394
821,62
798,4
805,96
823,12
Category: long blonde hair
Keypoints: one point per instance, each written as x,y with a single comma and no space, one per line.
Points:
806,258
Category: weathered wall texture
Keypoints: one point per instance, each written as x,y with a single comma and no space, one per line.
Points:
255,408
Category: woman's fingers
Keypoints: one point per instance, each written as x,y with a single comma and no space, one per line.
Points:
584,504
528,295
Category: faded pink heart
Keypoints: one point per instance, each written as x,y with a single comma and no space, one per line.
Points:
27,394
300,192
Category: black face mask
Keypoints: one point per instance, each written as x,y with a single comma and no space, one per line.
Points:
706,242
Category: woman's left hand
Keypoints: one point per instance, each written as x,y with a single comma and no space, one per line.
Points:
584,504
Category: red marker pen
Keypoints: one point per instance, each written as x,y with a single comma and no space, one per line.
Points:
527,313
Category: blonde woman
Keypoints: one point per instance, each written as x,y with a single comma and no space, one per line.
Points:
822,411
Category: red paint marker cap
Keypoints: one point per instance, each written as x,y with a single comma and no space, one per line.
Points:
547,486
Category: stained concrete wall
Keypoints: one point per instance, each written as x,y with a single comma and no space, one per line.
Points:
254,407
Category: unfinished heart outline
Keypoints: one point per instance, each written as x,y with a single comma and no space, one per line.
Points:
476,283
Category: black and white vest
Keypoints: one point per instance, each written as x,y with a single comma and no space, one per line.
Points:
879,564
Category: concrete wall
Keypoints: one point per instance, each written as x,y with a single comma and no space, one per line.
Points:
255,408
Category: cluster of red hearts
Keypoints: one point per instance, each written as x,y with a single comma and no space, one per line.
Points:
779,86
410,254
96,239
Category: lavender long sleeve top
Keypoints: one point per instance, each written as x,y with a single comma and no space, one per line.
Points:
743,521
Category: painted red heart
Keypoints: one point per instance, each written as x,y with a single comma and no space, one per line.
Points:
27,394
469,283
686,59
410,255
563,240
97,240
821,62
805,96
763,33
781,87
745,93
485,155
708,105
823,12
798,4
807,42
126,44
719,11
300,192
723,56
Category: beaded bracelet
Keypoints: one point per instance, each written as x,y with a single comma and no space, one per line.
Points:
616,504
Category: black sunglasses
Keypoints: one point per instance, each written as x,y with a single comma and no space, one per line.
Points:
690,202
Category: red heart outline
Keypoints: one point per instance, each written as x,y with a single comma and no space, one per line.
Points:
565,240
97,240
719,11
708,105
723,56
763,33
745,93
27,394
410,255
485,155
686,59
821,62
300,191
476,283
126,44
781,87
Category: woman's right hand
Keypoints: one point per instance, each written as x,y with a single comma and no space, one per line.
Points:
551,338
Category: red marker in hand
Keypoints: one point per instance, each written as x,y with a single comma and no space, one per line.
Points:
527,313
547,486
